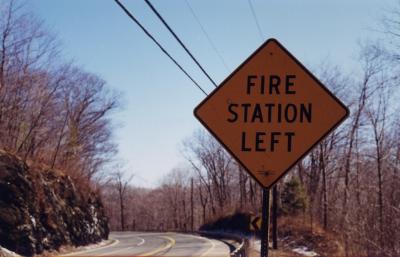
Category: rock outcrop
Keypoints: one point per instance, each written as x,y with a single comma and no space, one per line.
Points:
43,209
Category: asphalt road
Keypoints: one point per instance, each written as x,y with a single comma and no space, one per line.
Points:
158,244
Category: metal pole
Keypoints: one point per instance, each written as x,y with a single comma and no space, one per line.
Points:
265,223
275,217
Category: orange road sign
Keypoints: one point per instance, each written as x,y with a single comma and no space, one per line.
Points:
270,112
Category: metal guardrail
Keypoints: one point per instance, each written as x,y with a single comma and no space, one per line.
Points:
240,251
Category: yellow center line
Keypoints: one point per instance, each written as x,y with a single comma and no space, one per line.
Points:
171,243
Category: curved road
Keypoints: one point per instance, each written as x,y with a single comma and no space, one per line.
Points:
158,244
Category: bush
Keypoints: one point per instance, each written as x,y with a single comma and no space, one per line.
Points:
293,197
238,222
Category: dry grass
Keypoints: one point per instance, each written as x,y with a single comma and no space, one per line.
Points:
294,232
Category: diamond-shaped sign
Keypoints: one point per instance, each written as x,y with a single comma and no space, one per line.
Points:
270,112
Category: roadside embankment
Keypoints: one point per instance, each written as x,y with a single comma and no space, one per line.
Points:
43,209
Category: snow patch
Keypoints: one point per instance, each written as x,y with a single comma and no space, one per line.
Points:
33,220
304,251
45,240
6,252
257,245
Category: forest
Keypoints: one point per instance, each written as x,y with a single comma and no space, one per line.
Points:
55,114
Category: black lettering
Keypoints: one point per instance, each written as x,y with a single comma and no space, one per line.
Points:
259,141
269,110
289,84
274,82
250,83
245,111
290,118
262,84
257,114
273,140
289,136
305,112
244,148
279,113
235,115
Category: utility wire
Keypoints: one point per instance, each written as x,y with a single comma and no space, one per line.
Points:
179,41
130,15
253,12
207,35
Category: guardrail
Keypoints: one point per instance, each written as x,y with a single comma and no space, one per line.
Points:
240,251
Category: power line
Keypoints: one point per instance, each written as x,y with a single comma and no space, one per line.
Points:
207,35
253,12
130,15
179,41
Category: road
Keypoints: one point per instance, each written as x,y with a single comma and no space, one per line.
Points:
158,244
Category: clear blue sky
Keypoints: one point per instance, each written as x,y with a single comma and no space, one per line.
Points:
158,99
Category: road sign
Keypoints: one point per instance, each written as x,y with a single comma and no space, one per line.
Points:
255,223
270,112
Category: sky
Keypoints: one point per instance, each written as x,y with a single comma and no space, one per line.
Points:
157,99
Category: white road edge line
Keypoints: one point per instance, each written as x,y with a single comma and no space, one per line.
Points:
209,249
171,243
142,242
116,241
204,239
123,249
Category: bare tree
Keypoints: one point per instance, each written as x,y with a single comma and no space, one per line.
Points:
51,113
121,185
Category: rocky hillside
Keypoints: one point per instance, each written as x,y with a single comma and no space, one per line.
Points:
42,209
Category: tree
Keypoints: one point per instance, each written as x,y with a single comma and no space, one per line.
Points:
121,185
293,197
51,112
213,166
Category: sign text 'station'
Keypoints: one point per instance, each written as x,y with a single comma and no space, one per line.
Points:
269,112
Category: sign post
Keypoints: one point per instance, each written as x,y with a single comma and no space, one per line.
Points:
269,114
265,223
